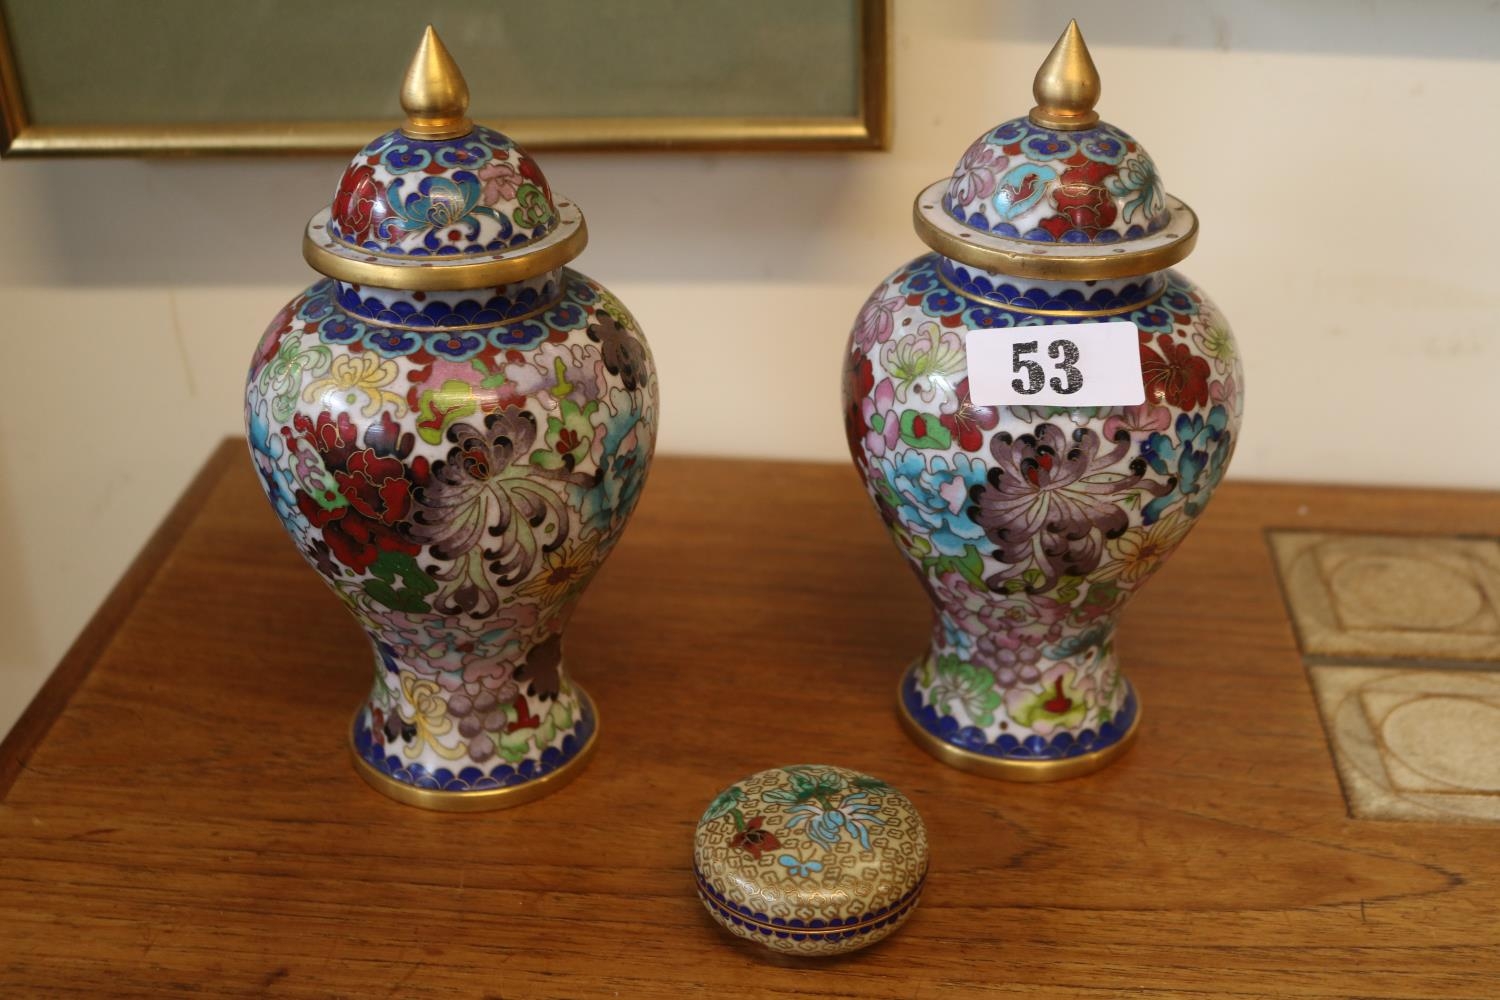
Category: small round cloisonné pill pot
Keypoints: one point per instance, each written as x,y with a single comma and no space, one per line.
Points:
810,859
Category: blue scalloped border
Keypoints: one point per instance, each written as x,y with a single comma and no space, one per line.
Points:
473,779
1007,747
974,283
810,930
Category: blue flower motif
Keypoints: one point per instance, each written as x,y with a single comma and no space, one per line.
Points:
455,345
1103,148
392,343
1179,301
1152,318
988,317
942,302
1194,462
924,279
523,336
341,330
1049,146
934,501
403,158
797,867
466,153
1012,131
315,308
582,293
567,316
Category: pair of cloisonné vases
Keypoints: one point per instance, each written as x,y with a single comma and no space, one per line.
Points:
454,428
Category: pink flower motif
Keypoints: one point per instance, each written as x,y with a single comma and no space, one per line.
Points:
976,174
1223,392
501,181
1141,419
876,321
879,411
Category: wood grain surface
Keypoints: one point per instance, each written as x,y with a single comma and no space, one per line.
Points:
190,825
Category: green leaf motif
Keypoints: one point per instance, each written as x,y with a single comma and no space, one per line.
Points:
416,585
923,431
569,437
966,686
532,209
438,408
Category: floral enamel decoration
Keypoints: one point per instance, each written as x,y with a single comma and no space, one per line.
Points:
1031,526
454,429
810,859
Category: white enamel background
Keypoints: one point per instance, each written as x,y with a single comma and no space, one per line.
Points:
1338,154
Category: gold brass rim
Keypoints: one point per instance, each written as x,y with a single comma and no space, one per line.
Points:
1015,770
483,799
425,275
1051,261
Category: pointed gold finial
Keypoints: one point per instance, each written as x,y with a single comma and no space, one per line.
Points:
1067,85
434,93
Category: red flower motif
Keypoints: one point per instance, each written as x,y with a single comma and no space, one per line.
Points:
1176,376
270,341
359,203
859,382
372,482
755,840
969,422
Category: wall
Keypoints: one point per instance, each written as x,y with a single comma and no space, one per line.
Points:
1334,152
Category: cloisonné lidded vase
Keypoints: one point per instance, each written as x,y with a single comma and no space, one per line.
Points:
454,427
810,859
1031,524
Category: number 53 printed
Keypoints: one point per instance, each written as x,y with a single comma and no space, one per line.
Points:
1086,364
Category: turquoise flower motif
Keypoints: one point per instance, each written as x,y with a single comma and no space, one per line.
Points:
622,469
438,203
1194,462
1138,182
933,496
798,867
827,823
268,449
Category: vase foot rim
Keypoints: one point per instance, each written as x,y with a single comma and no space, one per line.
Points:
483,799
1057,769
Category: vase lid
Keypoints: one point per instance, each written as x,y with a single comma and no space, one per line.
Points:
441,203
810,859
1057,193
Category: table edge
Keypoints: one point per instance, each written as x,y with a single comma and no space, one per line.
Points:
65,678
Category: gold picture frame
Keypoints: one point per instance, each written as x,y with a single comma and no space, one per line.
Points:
866,127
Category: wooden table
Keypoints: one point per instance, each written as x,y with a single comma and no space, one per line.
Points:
182,818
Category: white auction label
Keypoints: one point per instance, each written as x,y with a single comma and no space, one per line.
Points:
1085,364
